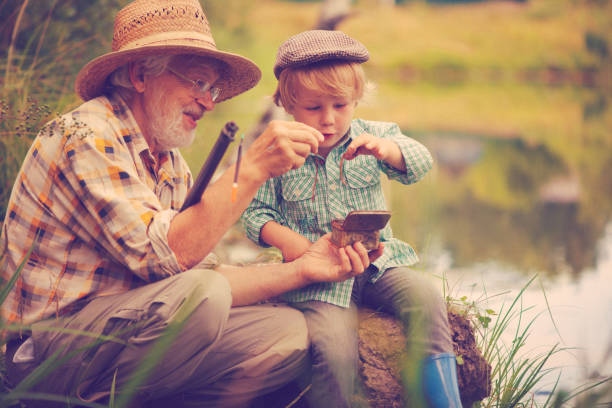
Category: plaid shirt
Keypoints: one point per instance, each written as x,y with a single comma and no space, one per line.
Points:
307,199
94,205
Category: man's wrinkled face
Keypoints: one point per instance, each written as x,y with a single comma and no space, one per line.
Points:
173,105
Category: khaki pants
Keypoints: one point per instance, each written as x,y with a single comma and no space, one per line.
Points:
222,357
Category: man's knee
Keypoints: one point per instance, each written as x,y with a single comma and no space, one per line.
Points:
209,287
208,297
288,326
283,345
266,344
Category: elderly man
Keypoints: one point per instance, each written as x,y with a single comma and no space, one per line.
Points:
93,227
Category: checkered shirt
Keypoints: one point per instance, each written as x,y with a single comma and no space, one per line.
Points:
94,205
307,199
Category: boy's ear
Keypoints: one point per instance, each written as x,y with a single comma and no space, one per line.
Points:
136,73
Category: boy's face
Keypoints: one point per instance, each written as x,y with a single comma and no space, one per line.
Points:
329,114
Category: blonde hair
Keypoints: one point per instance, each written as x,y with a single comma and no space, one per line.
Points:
338,78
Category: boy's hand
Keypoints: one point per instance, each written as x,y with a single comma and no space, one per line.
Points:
383,149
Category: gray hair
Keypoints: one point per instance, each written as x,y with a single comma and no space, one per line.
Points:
120,82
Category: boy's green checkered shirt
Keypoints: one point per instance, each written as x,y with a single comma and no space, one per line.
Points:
307,199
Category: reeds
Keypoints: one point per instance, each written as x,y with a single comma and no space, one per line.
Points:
517,372
10,396
37,74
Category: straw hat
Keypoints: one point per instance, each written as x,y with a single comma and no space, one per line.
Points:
165,27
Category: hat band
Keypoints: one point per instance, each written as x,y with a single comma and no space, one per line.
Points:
173,38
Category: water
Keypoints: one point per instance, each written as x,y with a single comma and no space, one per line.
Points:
495,214
575,314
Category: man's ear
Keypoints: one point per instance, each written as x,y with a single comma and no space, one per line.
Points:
136,72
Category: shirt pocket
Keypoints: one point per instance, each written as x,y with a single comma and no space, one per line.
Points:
298,205
362,184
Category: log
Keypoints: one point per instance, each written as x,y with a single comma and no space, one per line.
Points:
381,350
381,356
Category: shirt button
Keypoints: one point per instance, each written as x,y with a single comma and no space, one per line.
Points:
333,187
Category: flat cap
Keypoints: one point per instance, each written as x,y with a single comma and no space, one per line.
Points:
318,45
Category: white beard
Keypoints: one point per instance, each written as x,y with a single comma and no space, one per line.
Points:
166,123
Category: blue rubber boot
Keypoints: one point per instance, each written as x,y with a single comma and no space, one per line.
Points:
440,381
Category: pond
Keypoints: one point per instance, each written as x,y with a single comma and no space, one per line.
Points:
488,248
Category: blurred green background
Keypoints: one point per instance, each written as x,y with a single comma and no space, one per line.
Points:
511,96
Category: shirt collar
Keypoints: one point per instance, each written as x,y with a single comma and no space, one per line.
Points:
124,113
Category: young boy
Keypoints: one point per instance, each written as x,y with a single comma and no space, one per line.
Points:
320,83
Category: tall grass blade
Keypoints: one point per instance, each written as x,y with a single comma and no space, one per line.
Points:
10,400
11,48
159,349
111,402
588,387
5,290
552,319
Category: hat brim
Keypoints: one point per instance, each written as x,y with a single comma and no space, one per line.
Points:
239,74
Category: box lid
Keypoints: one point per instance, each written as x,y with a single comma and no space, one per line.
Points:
366,220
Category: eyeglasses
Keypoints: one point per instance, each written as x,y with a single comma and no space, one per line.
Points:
200,86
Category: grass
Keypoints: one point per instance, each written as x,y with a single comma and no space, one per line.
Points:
517,373
515,376
10,396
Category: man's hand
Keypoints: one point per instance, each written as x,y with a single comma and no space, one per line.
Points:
283,146
325,262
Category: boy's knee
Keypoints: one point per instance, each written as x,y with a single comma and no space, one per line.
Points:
418,291
427,292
